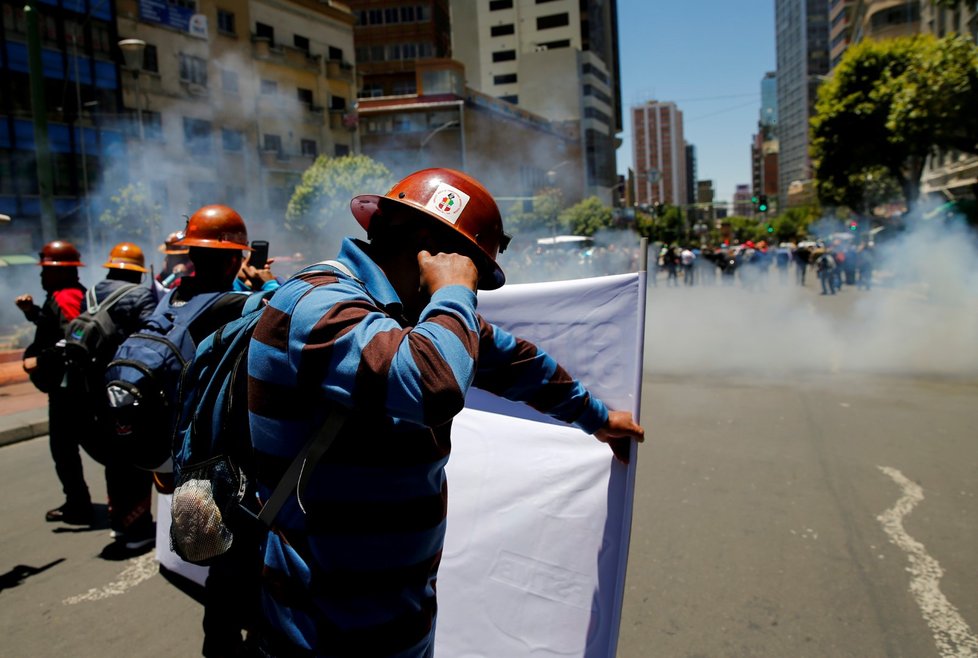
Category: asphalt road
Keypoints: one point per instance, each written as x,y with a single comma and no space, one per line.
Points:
785,511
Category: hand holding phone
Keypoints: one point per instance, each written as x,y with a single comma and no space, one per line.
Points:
259,254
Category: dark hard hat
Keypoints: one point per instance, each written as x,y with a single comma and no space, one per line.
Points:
60,253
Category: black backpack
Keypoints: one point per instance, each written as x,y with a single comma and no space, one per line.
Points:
93,337
142,382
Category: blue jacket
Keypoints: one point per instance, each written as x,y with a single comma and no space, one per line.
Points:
356,573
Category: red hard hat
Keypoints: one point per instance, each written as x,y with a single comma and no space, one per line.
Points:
126,256
215,227
169,245
455,200
60,253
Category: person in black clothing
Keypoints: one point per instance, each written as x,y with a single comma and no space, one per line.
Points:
44,363
129,489
216,237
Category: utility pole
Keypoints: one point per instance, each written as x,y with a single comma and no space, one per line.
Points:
45,177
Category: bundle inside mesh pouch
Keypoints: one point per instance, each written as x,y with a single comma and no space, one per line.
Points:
208,509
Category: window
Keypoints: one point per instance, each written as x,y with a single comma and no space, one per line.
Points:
309,148
496,5
502,30
407,14
394,52
225,22
102,38
405,87
515,100
341,150
425,50
335,54
504,56
197,136
553,20
272,143
151,62
409,50
376,16
391,15
232,140
506,79
305,96
371,91
301,42
193,70
362,53
269,88
376,53
265,31
229,82
337,103
554,45
152,125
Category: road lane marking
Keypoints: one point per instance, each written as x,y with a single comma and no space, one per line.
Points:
953,636
141,568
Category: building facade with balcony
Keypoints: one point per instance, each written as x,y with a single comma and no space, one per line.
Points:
238,99
556,59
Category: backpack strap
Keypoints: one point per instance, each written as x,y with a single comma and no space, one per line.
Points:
92,304
302,466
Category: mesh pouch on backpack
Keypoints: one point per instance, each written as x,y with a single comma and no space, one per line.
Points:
215,500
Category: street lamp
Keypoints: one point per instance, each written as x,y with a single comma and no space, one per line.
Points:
424,142
132,51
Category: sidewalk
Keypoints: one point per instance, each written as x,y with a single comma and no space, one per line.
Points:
23,409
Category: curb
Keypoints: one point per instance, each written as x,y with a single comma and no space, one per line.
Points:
23,425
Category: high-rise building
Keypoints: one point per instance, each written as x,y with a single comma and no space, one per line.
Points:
659,155
840,29
802,38
690,174
765,147
557,59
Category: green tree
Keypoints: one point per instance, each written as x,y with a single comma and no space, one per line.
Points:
888,105
320,206
587,217
132,214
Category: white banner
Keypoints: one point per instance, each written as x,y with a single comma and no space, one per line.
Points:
539,512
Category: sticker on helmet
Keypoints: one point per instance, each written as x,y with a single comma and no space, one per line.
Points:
447,202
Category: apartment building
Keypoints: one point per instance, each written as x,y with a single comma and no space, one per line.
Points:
659,154
556,59
840,29
884,19
237,99
202,102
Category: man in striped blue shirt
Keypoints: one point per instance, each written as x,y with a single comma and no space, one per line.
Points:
396,341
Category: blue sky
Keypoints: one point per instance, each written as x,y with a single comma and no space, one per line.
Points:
708,56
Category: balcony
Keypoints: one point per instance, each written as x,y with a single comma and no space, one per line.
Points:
262,48
339,70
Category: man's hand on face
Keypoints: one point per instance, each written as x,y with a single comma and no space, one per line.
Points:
446,269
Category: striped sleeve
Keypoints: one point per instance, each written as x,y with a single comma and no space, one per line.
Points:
334,338
518,370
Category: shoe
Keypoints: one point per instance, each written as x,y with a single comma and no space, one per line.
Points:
130,544
73,514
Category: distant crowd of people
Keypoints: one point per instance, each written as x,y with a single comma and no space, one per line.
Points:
751,264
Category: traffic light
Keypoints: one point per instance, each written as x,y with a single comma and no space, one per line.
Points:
770,229
762,203
853,226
